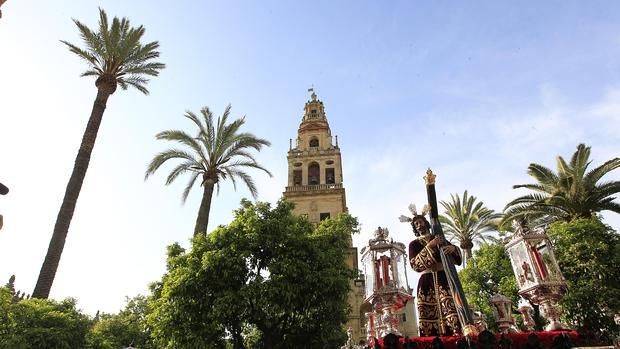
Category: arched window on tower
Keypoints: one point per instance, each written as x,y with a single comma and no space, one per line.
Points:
297,177
314,173
314,142
330,177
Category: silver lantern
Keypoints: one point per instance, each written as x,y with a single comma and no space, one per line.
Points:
502,310
538,275
386,282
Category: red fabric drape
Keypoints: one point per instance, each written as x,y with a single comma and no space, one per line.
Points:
385,262
540,264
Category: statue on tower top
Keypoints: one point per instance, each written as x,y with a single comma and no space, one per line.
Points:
313,94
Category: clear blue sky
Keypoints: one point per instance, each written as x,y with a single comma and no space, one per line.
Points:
475,90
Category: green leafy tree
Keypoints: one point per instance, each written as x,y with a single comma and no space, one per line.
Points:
46,324
588,253
489,273
217,152
267,280
468,221
7,321
116,57
128,327
573,192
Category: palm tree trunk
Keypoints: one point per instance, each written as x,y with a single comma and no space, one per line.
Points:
468,255
63,220
202,221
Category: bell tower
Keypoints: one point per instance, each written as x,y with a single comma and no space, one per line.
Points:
315,186
315,167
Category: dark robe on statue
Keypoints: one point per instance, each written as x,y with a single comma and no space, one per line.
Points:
438,316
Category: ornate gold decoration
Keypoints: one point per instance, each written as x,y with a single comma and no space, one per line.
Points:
470,330
430,177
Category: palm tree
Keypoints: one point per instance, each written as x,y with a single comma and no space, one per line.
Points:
468,221
573,192
117,58
217,152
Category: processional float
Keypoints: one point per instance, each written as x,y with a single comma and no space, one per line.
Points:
386,281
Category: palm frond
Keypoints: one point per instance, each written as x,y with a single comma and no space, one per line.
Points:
189,186
251,164
150,68
166,155
91,39
237,147
183,138
114,50
230,175
207,133
85,55
563,168
467,220
610,206
91,72
249,182
135,81
533,198
597,173
607,189
220,129
542,174
216,155
572,192
180,169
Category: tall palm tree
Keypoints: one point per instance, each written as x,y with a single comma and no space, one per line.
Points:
468,221
218,152
572,192
115,57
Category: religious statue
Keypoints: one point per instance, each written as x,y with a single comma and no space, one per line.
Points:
436,307
527,272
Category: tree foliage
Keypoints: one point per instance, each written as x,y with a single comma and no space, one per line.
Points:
468,221
489,274
588,253
115,55
219,151
269,279
7,321
128,327
42,324
573,192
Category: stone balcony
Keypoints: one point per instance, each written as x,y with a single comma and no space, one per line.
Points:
297,152
298,188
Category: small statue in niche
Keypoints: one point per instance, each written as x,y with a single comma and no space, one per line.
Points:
527,271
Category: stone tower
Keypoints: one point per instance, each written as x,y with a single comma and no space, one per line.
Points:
315,186
315,167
